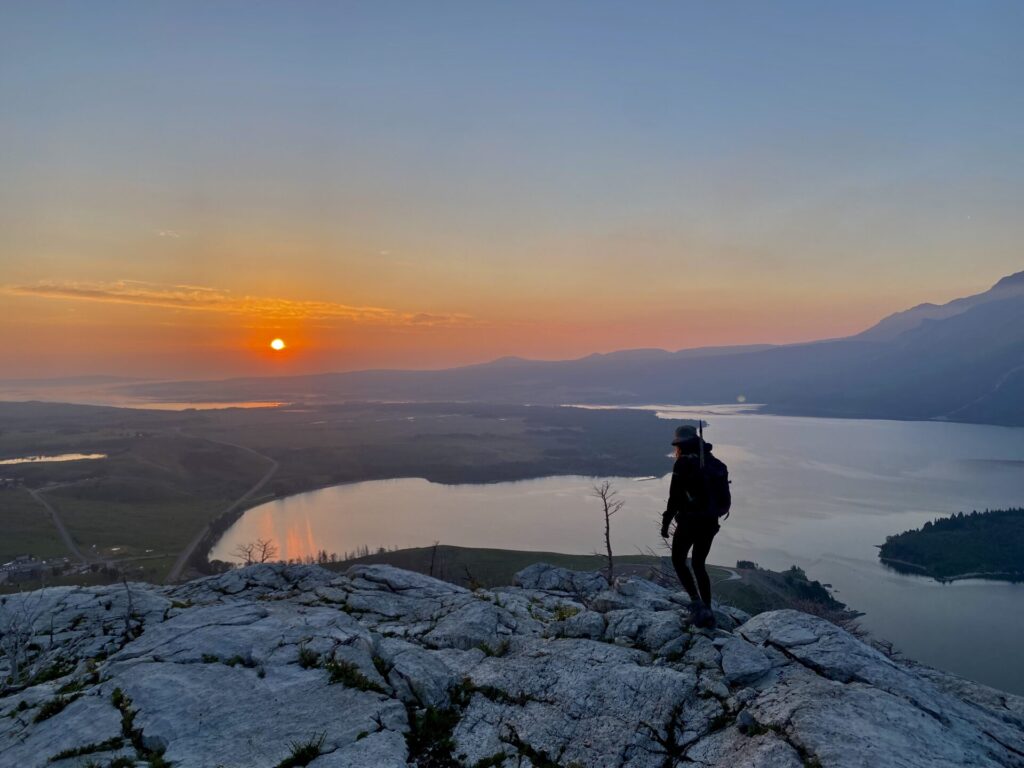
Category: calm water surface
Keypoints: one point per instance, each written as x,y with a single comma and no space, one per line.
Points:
818,493
56,457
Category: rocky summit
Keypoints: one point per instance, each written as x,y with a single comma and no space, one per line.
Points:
291,666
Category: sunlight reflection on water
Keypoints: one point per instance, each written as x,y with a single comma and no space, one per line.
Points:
60,457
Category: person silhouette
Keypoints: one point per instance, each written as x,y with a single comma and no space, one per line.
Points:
698,496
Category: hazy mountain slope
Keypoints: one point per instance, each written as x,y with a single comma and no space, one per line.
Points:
935,370
899,322
964,365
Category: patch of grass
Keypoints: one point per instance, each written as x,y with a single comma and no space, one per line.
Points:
430,739
304,752
499,651
563,612
348,674
53,707
58,669
26,527
88,749
134,735
381,666
720,721
493,761
490,567
308,658
209,658
79,685
502,697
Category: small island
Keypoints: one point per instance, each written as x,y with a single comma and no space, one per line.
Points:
979,545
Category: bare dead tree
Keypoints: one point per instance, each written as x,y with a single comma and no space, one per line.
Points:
472,582
433,556
259,551
129,610
244,552
659,572
265,551
18,618
610,503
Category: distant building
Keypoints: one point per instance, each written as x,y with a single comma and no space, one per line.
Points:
22,568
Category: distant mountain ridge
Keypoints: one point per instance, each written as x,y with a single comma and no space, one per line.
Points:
960,361
898,322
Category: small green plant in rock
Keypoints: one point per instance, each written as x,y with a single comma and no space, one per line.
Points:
348,674
429,737
58,669
76,686
308,658
304,752
52,707
563,612
499,651
381,666
102,746
134,735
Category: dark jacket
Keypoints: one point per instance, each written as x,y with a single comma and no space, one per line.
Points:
687,494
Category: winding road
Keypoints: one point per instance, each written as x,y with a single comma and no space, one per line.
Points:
183,557
55,516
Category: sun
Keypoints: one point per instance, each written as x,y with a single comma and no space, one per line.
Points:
277,345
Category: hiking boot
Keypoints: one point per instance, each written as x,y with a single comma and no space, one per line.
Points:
706,620
696,611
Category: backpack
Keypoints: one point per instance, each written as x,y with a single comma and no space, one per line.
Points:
716,487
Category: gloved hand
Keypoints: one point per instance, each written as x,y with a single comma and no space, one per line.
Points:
664,530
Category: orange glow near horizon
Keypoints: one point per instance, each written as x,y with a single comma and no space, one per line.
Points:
194,332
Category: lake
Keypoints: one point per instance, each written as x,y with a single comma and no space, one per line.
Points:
818,493
55,457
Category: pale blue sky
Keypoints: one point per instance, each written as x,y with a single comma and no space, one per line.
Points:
819,163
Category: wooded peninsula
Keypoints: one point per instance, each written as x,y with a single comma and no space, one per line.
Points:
983,545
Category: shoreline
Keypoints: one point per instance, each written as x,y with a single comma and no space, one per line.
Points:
236,514
1009,577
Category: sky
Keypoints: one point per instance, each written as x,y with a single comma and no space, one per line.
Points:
409,184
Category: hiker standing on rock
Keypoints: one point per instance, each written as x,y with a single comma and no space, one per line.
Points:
698,496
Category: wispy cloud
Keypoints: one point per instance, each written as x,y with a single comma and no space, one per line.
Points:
168,233
205,299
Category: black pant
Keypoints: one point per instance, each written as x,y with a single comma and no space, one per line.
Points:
696,532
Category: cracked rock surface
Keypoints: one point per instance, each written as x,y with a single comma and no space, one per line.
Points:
296,665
